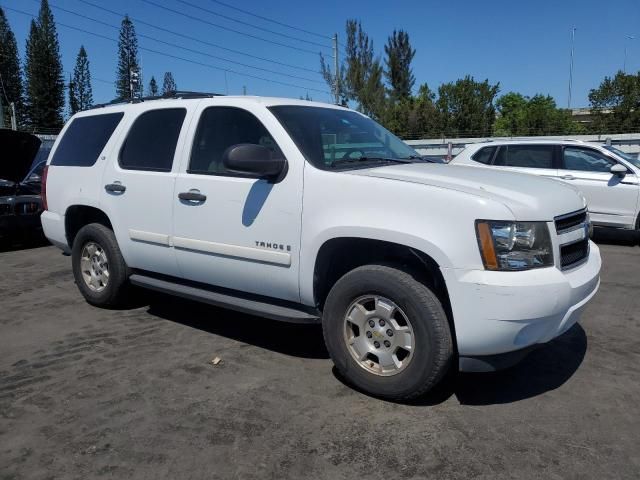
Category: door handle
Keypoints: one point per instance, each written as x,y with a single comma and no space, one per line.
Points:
115,187
192,196
568,177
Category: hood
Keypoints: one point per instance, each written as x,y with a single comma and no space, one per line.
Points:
529,197
17,151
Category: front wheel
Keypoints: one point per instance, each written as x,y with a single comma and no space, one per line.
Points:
387,333
98,266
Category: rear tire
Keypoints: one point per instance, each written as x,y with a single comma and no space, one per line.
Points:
99,269
403,365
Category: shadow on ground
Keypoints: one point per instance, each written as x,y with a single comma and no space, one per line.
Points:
613,236
12,245
303,341
543,370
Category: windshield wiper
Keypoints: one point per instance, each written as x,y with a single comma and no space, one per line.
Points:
348,161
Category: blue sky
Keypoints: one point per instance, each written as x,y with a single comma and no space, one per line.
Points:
524,45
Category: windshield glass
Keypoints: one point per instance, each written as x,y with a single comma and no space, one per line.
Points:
625,156
330,138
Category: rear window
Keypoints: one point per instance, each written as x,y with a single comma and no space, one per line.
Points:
484,155
151,142
85,139
527,156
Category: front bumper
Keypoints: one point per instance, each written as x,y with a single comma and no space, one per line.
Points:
499,312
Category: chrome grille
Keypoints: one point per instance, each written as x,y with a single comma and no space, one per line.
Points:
572,252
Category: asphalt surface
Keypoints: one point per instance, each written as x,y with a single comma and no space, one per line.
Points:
132,393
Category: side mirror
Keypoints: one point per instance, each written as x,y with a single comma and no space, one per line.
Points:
252,159
619,170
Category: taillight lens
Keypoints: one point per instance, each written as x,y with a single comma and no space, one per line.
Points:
43,188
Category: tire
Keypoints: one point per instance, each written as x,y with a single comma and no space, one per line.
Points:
110,291
391,289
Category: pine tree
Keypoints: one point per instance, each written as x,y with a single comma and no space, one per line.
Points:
10,71
168,84
43,70
398,62
128,61
82,81
153,87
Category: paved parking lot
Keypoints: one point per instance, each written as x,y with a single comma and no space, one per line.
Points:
133,394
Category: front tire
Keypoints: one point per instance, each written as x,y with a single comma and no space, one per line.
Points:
98,266
387,333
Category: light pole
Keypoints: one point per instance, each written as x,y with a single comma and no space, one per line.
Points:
626,44
573,37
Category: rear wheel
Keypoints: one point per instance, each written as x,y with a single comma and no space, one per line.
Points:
98,266
387,333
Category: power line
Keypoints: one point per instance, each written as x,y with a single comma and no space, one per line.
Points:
86,17
291,37
194,39
186,15
270,19
213,67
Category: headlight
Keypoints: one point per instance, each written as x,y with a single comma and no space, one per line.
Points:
514,245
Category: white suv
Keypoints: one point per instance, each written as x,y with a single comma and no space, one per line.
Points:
607,177
307,212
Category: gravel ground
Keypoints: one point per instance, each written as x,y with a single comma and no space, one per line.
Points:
132,393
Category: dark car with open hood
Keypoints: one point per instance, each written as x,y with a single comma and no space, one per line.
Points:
21,168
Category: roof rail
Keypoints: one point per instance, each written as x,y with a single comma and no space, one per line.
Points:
176,94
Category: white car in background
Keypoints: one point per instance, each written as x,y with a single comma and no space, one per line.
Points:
607,177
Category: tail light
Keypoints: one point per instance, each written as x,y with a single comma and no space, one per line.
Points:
43,188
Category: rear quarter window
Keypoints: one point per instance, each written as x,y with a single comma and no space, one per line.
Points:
85,139
484,155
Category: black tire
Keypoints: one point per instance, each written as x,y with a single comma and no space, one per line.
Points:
433,351
114,293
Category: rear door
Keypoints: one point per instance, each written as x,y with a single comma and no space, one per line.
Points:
534,159
612,199
137,188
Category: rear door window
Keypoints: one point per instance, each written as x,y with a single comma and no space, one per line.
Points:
484,155
525,156
151,142
85,139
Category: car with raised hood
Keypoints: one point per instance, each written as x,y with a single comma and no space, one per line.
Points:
608,177
20,183
307,212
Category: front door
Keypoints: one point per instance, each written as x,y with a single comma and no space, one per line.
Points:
138,184
232,230
612,199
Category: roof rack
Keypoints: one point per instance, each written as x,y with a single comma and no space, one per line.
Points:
183,94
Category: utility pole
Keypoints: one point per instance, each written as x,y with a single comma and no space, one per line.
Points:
244,90
14,123
336,83
573,36
134,80
626,44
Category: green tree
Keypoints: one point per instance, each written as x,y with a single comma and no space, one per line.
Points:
153,87
466,107
363,72
10,71
538,115
398,62
616,104
82,81
168,84
129,72
43,69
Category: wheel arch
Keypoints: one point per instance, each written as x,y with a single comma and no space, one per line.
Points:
77,216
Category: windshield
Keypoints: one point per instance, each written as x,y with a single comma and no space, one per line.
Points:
625,156
330,138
